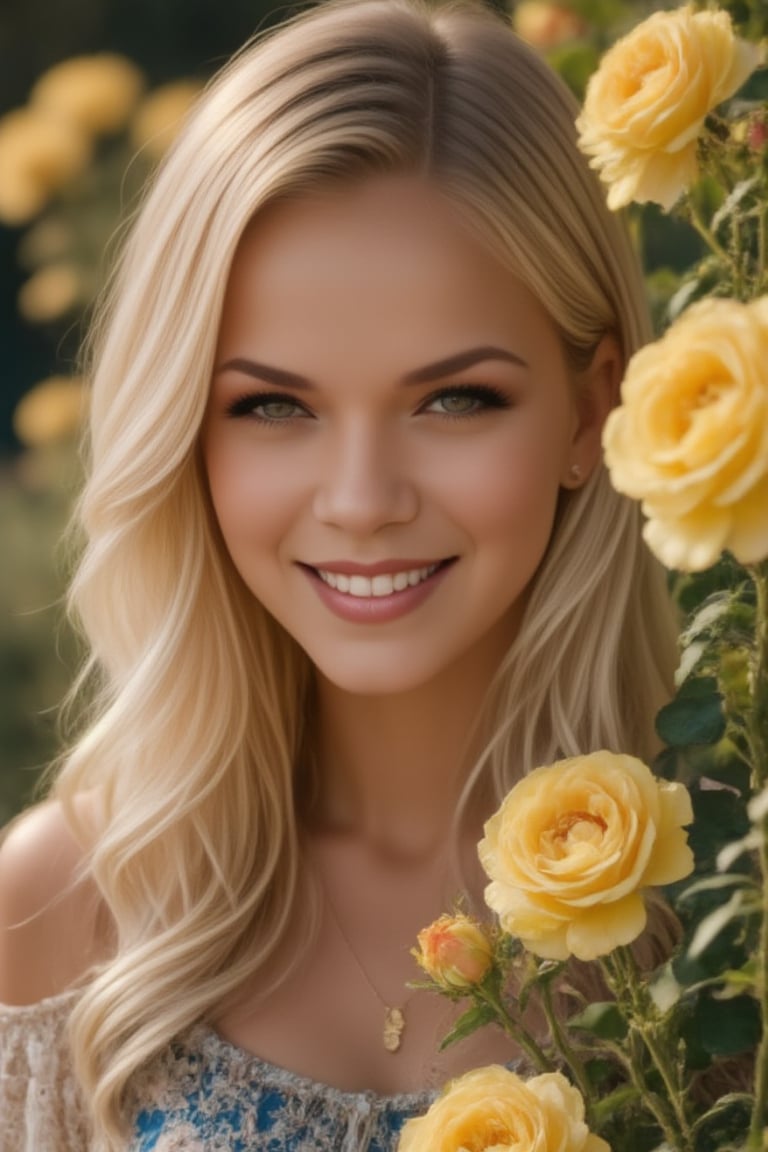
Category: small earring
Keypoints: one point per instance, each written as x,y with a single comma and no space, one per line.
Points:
575,472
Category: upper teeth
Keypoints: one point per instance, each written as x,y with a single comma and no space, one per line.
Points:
383,585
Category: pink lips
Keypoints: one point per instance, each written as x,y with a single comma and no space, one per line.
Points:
375,609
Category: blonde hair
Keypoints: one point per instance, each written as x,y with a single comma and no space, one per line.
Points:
198,853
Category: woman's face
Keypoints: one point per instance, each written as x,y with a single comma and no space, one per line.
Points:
390,422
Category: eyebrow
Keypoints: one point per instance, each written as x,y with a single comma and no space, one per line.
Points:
441,368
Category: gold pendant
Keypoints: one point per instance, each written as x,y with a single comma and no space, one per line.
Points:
394,1023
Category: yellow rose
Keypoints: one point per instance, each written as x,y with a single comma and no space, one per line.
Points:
493,1109
97,93
645,106
691,436
572,847
454,951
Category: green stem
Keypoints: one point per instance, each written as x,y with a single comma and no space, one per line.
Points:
572,1058
670,1115
758,726
711,241
758,741
515,1030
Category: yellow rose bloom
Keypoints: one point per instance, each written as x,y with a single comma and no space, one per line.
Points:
691,436
97,93
454,951
572,847
645,106
493,1110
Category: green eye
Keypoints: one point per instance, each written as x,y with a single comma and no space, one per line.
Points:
466,400
458,403
276,409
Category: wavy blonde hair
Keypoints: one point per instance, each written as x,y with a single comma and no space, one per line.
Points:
198,854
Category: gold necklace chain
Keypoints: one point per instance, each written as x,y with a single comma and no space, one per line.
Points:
394,1016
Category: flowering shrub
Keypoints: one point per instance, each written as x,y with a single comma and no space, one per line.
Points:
674,1058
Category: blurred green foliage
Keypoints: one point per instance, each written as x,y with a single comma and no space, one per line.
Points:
38,651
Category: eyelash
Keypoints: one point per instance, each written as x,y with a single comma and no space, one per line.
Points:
485,394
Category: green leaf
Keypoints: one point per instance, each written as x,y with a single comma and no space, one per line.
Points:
695,716
715,883
719,817
727,1027
725,1123
603,1019
730,853
468,1023
713,924
732,201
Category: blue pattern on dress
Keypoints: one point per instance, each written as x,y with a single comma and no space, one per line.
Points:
203,1094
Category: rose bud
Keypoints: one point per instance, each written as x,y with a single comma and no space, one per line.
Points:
454,951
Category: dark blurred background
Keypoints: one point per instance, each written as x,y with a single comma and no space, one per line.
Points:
168,40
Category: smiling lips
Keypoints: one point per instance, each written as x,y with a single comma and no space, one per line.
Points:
376,592
384,584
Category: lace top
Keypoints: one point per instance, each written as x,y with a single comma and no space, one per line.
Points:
201,1094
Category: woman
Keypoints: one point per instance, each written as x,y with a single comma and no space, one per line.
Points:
352,565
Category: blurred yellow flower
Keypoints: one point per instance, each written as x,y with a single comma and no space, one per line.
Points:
53,410
47,240
545,25
493,1110
50,293
691,436
161,114
21,198
454,951
97,93
37,156
572,847
645,106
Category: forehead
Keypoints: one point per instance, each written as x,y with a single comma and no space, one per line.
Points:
389,255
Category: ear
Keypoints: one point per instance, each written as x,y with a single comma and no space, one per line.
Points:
597,391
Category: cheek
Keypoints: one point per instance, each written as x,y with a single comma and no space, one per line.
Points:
251,498
507,493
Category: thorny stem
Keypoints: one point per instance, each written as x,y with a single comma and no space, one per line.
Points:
670,1115
758,741
572,1058
514,1029
711,240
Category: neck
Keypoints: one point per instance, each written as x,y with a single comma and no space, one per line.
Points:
392,768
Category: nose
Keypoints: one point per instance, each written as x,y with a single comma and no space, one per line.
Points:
367,482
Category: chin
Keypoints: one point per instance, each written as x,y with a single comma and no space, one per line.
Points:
375,677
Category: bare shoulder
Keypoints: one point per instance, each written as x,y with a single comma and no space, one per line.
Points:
51,916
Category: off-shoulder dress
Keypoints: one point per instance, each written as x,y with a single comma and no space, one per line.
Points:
201,1094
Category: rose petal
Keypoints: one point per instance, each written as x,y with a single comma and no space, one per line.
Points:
599,930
